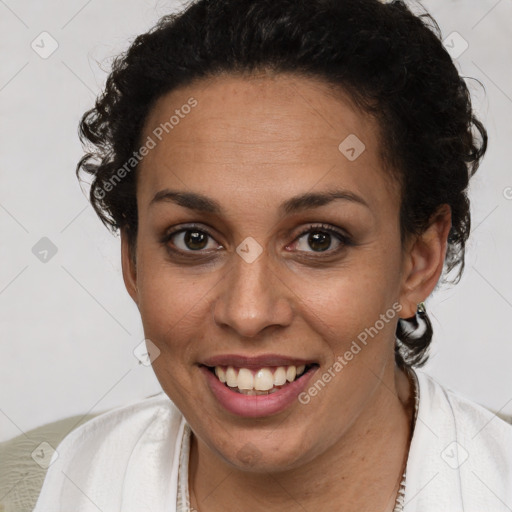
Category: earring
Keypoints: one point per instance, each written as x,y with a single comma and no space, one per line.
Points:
417,325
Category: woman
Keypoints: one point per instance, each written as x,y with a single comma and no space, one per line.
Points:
289,179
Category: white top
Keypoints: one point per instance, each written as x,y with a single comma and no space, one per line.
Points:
128,459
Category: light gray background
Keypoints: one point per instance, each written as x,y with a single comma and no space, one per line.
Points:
68,326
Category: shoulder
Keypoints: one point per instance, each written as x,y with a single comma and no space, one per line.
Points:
481,434
125,424
460,454
108,460
469,417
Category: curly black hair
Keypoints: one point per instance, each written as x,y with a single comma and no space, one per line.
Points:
390,61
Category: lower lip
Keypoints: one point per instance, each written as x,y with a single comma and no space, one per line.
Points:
256,406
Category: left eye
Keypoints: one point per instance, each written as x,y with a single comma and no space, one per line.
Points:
320,239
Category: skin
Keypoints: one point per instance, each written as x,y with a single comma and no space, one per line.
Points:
251,143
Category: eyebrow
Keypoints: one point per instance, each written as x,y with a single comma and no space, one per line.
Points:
308,200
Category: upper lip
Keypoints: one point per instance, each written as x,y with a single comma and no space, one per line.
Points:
263,360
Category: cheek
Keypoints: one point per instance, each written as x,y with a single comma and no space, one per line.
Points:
173,304
343,303
174,315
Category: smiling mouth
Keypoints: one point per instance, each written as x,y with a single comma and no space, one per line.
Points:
262,381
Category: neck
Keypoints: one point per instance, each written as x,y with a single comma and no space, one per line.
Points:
362,471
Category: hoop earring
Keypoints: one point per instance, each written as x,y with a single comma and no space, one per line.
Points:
416,326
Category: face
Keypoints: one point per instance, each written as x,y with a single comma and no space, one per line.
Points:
264,244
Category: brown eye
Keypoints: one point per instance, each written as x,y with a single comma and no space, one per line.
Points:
195,240
190,240
318,239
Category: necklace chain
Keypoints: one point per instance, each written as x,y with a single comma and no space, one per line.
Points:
399,503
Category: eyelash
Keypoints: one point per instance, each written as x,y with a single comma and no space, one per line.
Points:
345,241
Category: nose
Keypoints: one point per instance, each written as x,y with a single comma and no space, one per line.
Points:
253,297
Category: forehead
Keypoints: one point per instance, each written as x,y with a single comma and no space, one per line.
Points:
262,135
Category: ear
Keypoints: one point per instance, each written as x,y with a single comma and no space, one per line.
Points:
129,267
423,261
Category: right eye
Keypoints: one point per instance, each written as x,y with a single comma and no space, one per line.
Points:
189,239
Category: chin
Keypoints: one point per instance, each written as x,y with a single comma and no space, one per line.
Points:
264,453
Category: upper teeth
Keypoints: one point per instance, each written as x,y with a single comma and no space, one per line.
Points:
263,379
